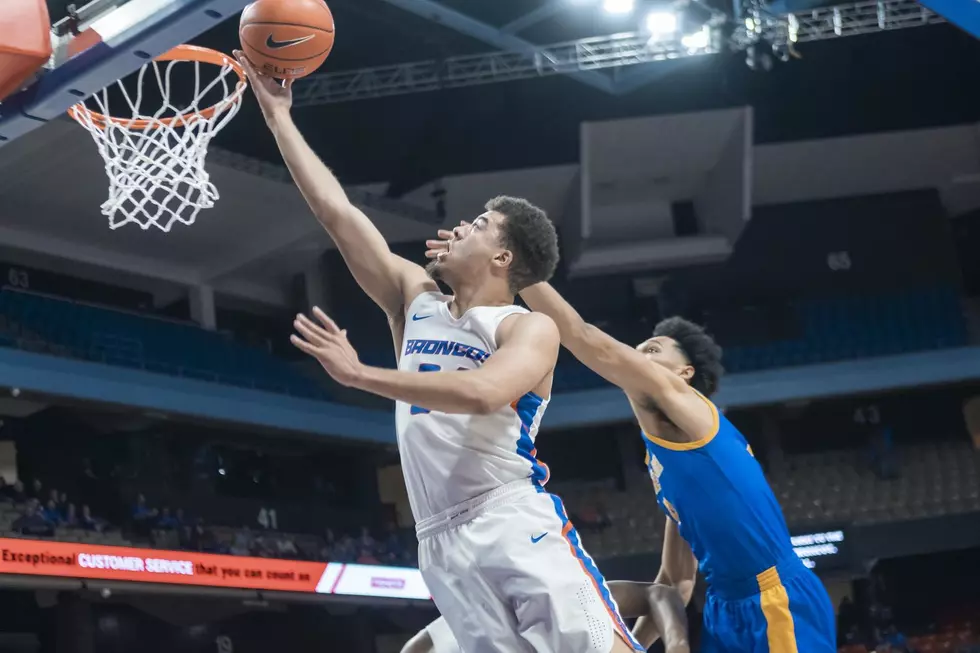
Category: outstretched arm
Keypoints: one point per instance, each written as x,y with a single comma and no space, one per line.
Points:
623,365
671,591
526,356
678,566
389,280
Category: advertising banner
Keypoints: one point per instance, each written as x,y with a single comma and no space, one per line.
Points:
90,561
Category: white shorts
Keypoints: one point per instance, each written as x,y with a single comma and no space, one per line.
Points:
442,637
509,575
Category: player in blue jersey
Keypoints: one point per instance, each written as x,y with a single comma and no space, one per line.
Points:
760,598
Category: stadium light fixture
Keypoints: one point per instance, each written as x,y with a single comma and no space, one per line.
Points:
698,40
661,23
618,6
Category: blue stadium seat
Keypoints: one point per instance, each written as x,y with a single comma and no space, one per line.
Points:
859,327
156,345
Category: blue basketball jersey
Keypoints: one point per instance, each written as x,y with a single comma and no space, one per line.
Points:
715,491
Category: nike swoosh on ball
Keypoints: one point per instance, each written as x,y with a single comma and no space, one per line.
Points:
276,45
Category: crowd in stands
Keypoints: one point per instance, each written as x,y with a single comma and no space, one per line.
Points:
38,512
873,626
44,511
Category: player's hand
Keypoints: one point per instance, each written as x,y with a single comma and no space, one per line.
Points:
439,247
326,342
274,96
670,617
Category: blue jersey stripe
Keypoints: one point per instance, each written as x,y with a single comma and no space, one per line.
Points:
527,409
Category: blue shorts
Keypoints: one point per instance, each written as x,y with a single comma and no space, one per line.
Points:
788,612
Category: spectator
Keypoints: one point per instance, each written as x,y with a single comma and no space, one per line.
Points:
365,541
18,494
366,557
286,547
71,517
392,545
167,521
36,489
5,490
88,522
141,511
51,512
242,543
897,640
32,522
184,537
202,539
143,516
346,549
261,548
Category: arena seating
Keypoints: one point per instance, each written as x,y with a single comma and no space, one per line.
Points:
65,328
956,637
833,330
860,327
823,489
9,514
829,330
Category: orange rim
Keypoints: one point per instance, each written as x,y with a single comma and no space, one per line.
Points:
179,53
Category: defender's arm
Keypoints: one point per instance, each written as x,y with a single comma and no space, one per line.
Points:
389,280
527,354
669,594
623,365
678,566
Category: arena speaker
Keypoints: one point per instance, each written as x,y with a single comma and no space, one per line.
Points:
637,174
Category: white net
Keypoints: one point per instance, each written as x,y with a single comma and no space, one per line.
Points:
155,161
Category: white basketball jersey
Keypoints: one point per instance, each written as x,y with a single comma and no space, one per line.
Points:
449,458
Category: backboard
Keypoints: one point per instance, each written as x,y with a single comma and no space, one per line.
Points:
99,43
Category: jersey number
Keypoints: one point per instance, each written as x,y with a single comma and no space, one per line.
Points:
428,367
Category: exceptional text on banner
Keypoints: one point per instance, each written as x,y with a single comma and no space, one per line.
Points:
43,558
71,560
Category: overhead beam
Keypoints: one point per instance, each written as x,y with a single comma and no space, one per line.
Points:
459,22
542,13
138,266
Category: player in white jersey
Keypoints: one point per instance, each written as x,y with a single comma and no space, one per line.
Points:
658,607
503,563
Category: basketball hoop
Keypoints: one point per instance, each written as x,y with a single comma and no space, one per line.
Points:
155,161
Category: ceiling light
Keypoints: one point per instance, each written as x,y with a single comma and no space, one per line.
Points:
661,22
618,6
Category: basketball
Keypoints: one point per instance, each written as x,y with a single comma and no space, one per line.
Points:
287,39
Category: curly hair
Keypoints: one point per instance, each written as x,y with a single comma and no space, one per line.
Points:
700,349
531,237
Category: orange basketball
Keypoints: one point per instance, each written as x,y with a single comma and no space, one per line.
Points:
287,38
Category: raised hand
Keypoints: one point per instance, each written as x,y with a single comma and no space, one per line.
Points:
326,342
274,96
436,248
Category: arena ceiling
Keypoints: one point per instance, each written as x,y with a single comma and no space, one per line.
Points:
907,79
889,81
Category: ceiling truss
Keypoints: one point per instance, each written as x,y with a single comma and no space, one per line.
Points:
586,58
